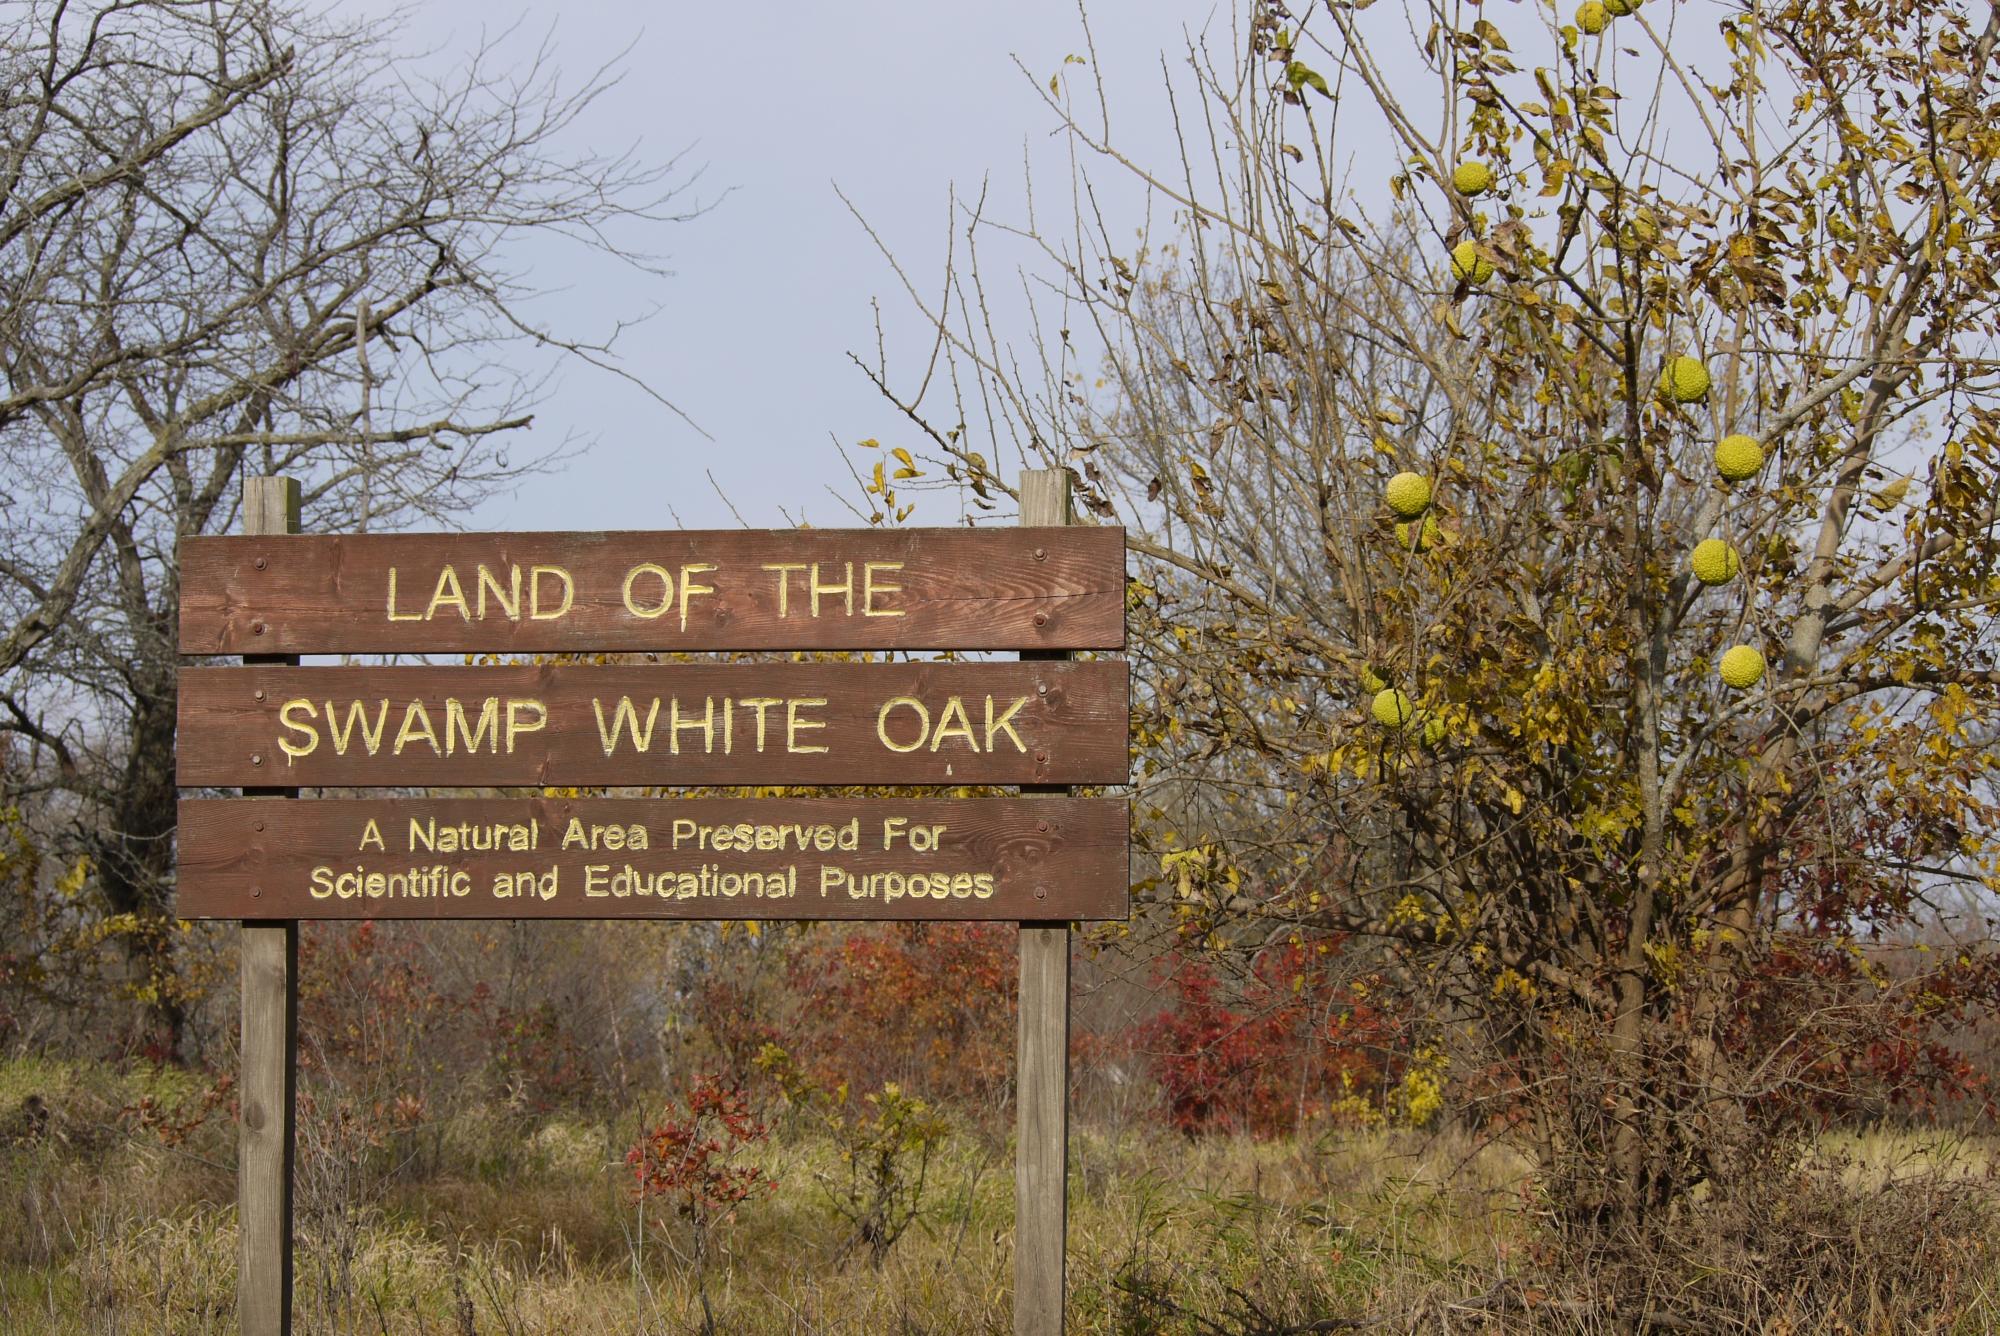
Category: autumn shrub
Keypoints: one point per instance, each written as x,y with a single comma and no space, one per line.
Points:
1288,1045
885,1141
537,1056
928,1006
691,1160
1808,1249
379,1024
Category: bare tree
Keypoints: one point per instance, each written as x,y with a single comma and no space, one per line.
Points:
249,238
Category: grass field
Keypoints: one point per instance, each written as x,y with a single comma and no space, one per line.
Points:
502,1223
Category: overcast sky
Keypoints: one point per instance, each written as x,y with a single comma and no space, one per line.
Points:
893,101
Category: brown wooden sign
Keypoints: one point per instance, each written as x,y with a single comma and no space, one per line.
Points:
656,724
758,858
1037,589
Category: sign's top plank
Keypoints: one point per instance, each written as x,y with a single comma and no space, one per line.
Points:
800,589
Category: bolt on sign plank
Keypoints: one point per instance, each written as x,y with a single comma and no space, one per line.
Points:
656,724
764,858
804,589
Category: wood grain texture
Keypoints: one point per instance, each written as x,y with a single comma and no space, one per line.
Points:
953,588
1066,857
1041,1155
1041,1074
1069,727
268,1107
266,1135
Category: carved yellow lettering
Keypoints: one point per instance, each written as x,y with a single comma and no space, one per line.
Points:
395,616
844,589
794,725
952,723
509,598
689,588
291,749
447,595
784,570
626,716
414,715
870,587
524,716
357,712
666,579
759,704
456,725
371,836
882,723
706,724
535,610
1003,724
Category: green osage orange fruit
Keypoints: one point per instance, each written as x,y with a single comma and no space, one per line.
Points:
1743,667
1393,709
1468,264
1684,380
1472,178
1408,494
1738,457
1420,537
1714,562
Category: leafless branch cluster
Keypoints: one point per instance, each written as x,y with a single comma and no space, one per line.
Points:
251,237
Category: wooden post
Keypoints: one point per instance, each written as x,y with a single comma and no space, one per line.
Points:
1041,1072
269,963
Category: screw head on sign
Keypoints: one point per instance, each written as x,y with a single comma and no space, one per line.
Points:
256,825
1041,554
1041,619
1041,758
1041,892
256,892
257,759
259,563
258,693
256,628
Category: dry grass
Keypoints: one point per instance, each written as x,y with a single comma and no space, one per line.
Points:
524,1227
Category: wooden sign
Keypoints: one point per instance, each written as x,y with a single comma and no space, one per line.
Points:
665,724
273,727
759,858
1037,589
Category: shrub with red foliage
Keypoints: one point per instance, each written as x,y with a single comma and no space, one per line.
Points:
374,1017
929,1006
690,1158
1280,1049
1866,1044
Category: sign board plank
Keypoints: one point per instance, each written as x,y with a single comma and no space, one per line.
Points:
655,724
799,589
757,858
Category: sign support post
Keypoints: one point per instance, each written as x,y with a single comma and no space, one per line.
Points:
268,1095
1041,1073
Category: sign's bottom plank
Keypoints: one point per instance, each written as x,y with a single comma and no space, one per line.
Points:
555,858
